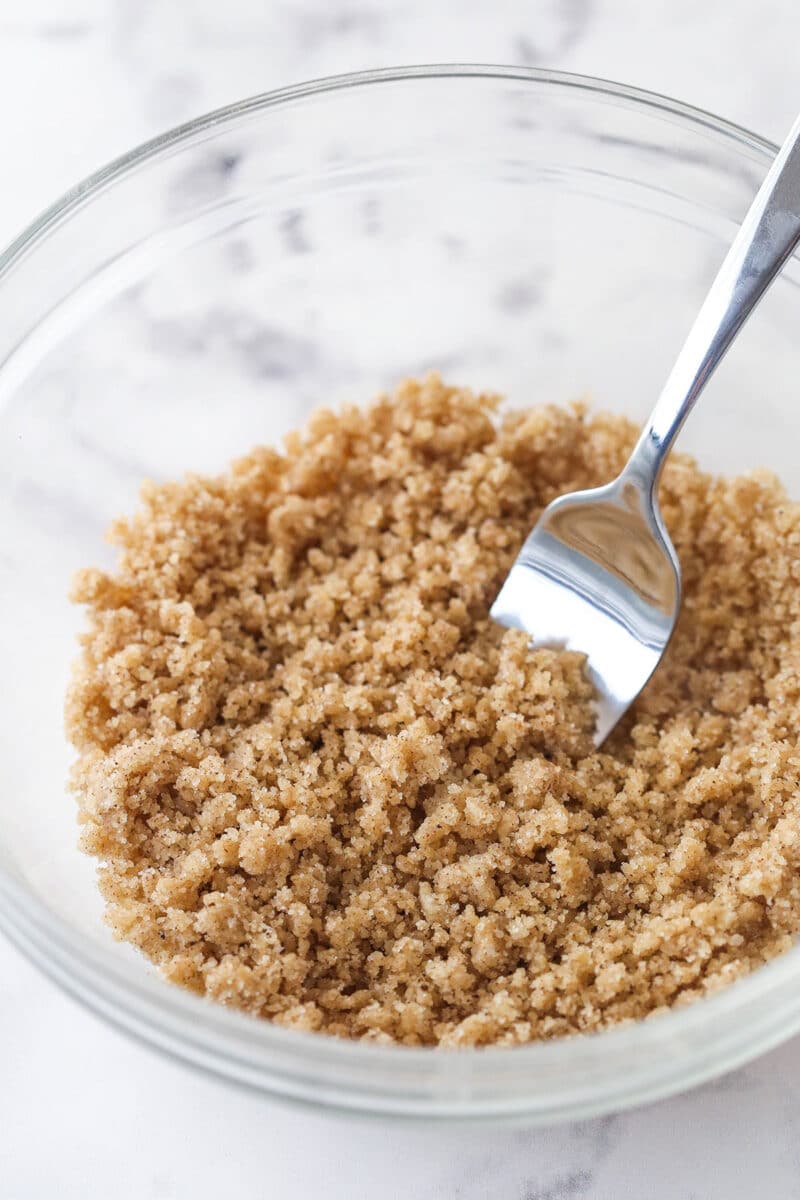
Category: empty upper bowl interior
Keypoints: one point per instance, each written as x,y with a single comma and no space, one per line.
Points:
549,237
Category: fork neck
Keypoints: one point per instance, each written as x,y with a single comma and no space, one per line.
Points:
643,468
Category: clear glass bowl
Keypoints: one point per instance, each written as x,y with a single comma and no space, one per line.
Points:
542,234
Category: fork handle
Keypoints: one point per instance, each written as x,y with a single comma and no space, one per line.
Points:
766,239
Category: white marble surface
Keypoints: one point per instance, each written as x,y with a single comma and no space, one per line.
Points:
85,1113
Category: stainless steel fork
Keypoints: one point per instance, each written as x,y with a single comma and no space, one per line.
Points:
599,574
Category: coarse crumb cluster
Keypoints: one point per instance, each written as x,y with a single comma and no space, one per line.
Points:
323,787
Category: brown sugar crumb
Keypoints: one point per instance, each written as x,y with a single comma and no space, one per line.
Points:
323,787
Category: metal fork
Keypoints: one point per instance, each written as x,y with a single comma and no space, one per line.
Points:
599,574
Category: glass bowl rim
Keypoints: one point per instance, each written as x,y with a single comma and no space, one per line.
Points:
186,1025
113,170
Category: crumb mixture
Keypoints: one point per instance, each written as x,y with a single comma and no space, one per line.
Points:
323,787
